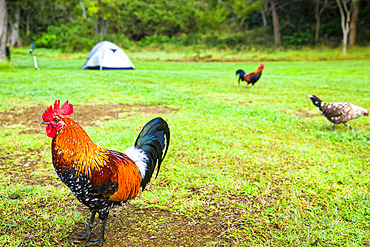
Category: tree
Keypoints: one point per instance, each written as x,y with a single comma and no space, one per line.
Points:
3,28
318,12
100,12
263,12
276,24
353,24
345,14
14,15
83,9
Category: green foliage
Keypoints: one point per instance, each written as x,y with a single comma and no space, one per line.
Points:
138,19
240,39
71,37
46,41
239,12
184,22
301,38
121,40
191,39
237,40
225,24
155,39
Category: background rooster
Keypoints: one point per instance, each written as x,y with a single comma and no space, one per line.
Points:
339,112
98,177
251,77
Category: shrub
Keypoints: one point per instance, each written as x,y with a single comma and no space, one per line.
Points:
46,41
299,38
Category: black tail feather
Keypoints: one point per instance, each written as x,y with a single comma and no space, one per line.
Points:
315,100
153,139
241,74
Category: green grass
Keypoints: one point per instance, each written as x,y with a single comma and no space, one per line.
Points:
249,159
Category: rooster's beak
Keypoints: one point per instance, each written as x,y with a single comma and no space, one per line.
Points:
44,123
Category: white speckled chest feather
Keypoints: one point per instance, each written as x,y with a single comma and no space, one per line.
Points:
341,112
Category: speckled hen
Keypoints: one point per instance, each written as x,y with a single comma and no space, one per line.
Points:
339,112
98,177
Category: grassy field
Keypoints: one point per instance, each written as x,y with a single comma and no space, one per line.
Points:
246,167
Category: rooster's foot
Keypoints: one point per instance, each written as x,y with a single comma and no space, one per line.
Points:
96,242
86,236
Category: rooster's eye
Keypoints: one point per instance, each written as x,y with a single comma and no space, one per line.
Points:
56,120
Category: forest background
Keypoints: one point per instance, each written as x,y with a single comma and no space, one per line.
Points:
76,25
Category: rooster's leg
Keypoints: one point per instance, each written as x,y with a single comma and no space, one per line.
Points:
346,124
100,241
87,234
334,127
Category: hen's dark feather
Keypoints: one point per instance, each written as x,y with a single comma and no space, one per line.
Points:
315,100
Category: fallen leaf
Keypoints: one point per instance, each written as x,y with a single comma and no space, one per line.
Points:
154,200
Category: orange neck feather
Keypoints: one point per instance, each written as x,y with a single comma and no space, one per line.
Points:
72,148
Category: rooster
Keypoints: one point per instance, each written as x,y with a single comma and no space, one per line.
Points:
251,77
98,177
339,112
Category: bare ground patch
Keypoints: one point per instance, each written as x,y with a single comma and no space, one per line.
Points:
28,168
302,113
85,115
131,225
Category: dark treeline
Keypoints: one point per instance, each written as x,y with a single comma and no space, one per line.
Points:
75,25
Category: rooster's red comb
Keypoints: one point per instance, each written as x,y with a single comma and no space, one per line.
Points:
65,109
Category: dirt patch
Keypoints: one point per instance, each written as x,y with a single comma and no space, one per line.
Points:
85,115
131,225
302,113
25,168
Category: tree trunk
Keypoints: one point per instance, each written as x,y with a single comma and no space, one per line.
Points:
345,38
275,20
28,23
83,9
318,13
345,15
100,17
104,27
3,28
317,16
263,12
317,33
264,20
15,39
353,24
101,21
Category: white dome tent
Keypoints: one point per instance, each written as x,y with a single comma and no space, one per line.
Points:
107,56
